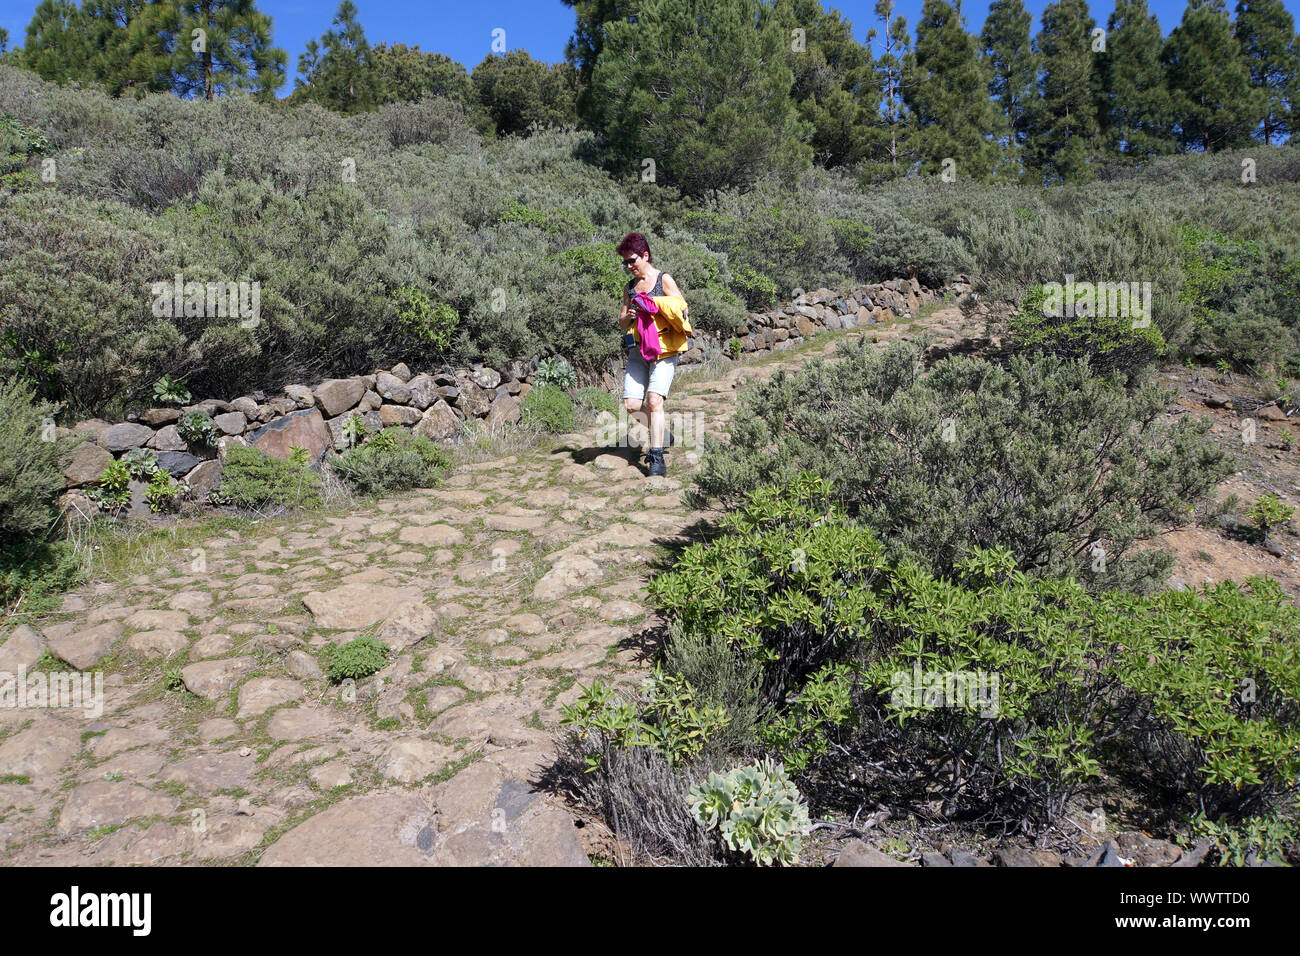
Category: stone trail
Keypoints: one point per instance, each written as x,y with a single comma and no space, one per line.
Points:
499,593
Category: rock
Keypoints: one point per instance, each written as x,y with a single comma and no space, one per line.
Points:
21,649
410,761
300,723
934,859
392,388
39,752
423,391
570,573
960,857
330,775
439,423
231,423
168,438
367,831
408,624
84,464
204,479
355,606
857,853
217,728
105,803
337,426
303,666
1196,855
84,648
157,643
404,415
178,463
1145,850
304,429
149,618
157,417
1270,413
473,402
246,406
401,371
262,693
124,437
1014,856
301,395
504,410
209,772
485,378
1216,400
214,679
92,428
75,508
227,442
337,395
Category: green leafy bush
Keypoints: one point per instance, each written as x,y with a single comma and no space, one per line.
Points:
1268,513
555,371
597,400
163,493
392,460
757,810
30,478
549,408
359,657
1044,458
140,463
113,490
250,478
428,324
168,391
198,429
757,290
1109,343
994,691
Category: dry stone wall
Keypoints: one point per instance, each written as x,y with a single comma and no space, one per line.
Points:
432,404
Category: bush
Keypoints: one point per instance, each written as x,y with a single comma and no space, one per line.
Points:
1109,343
392,460
198,430
163,493
993,691
549,408
113,491
1268,513
1045,458
555,371
30,478
250,478
359,657
756,809
597,400
140,463
757,290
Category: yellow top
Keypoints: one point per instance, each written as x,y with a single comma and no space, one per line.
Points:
673,323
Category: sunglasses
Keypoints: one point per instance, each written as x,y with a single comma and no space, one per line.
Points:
628,262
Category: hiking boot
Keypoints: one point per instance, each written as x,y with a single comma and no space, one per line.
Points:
655,459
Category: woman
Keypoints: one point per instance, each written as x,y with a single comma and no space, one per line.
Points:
646,383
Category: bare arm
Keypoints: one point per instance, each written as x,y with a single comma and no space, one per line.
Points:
626,315
670,286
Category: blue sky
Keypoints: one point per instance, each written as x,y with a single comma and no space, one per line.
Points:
463,30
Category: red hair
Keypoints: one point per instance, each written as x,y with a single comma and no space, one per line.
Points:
634,244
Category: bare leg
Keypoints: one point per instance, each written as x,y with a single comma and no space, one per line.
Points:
656,403
634,414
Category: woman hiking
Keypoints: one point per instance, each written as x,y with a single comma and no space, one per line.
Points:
653,319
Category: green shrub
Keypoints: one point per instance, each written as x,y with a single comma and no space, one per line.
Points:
392,460
597,400
757,810
555,371
1268,513
757,290
113,491
988,689
1044,458
168,391
198,429
140,463
163,493
1109,343
250,478
428,324
34,570
359,657
30,478
549,408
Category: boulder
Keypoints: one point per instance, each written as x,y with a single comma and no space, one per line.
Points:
204,479
124,437
400,371
486,378
247,407
178,463
231,423
155,417
473,401
337,395
438,423
399,415
84,464
21,649
504,410
300,395
168,438
83,648
424,391
337,430
392,388
303,429
370,402
857,853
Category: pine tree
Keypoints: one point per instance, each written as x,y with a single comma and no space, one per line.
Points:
133,40
889,70
945,85
517,91
1005,42
1266,32
701,88
58,46
1063,143
4,39
834,81
233,51
1209,82
583,48
408,73
1136,112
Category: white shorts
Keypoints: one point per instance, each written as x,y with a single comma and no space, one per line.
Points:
642,376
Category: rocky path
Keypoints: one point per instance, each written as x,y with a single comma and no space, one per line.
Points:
220,739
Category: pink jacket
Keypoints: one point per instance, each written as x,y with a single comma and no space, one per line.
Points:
647,333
